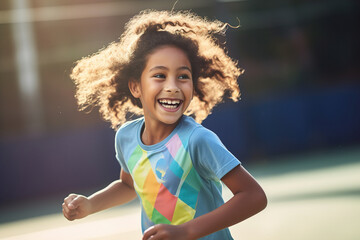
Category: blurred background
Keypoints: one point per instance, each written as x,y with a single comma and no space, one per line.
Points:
296,128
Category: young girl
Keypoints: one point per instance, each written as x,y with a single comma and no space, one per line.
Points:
168,66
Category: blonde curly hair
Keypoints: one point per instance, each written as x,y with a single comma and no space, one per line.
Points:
102,78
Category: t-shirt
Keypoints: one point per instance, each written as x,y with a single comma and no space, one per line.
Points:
177,179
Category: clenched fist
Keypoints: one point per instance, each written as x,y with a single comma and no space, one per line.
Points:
76,206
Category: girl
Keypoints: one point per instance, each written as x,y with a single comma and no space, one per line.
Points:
167,66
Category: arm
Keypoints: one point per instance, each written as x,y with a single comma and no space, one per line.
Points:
248,199
118,192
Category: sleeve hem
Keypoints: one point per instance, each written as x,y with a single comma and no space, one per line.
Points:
227,168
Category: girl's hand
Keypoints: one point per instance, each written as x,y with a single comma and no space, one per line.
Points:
165,232
76,206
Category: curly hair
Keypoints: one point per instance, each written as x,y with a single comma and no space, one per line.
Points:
102,78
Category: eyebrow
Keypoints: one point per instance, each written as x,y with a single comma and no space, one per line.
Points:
165,68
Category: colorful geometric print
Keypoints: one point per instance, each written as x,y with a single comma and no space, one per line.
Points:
166,182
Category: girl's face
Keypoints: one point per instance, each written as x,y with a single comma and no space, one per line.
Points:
166,86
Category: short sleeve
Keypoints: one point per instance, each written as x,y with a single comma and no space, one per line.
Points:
118,151
209,155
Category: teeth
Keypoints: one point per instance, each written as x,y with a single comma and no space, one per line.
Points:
171,106
167,103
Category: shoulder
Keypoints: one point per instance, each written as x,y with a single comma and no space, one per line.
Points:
209,155
187,129
201,134
129,128
203,140
130,125
196,134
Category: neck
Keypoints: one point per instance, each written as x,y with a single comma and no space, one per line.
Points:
155,133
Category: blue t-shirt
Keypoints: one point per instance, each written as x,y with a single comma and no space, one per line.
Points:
177,179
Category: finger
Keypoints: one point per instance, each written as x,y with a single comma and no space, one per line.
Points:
69,215
70,198
72,201
76,202
65,209
149,233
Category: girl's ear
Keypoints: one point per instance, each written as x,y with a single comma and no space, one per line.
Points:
134,87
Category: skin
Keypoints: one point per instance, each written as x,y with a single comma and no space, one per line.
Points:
121,191
166,79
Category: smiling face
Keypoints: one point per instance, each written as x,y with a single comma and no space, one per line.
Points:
166,86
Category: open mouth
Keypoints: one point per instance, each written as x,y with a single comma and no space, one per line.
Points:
170,103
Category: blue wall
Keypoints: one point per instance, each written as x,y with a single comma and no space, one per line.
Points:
290,122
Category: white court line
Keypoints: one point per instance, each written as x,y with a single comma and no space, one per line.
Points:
89,230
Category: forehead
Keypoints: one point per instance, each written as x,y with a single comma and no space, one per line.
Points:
168,56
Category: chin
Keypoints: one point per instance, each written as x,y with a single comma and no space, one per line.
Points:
171,120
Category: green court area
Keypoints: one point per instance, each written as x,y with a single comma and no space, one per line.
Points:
311,196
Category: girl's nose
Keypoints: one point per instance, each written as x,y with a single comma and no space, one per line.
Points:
172,89
171,86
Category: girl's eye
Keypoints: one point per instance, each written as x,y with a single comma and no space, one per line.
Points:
184,76
159,75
